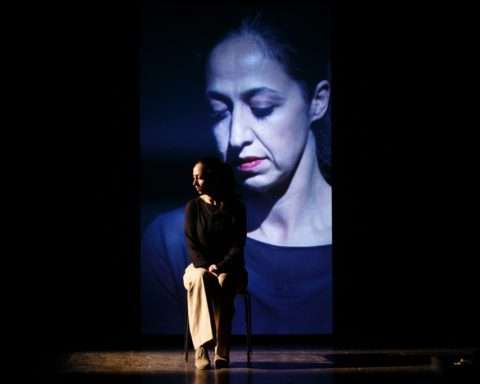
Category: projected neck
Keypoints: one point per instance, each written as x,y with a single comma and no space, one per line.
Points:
300,215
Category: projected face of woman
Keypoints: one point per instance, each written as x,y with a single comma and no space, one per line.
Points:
260,116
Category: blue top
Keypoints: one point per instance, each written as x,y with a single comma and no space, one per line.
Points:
290,287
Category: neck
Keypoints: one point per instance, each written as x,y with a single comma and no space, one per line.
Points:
300,215
209,199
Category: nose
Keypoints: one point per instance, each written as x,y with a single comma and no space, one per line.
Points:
241,132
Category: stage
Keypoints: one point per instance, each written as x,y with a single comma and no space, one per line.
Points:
273,365
405,200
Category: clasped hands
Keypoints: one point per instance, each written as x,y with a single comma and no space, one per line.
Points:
213,269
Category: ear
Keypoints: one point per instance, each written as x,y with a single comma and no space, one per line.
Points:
320,100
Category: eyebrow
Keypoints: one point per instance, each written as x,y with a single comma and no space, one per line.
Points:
246,95
255,91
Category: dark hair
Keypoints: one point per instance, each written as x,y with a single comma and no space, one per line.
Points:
283,36
220,174
298,38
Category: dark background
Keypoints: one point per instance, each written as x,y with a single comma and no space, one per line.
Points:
404,172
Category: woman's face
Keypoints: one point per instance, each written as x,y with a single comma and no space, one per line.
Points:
198,175
260,116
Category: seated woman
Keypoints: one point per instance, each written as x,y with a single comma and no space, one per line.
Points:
215,233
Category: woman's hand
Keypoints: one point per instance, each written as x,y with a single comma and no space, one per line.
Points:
213,269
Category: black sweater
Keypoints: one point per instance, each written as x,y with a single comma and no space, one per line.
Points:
214,235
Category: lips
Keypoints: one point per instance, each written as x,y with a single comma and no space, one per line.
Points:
249,163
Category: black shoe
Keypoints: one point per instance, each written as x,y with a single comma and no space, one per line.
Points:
220,362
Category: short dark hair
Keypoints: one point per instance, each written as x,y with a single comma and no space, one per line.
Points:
220,173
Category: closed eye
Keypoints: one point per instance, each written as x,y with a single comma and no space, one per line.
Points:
262,112
217,116
217,110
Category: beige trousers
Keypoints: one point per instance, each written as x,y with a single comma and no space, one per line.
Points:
210,306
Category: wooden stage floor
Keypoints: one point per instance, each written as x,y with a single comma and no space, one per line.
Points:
273,365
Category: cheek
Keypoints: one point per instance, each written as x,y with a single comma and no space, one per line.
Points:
286,134
293,122
221,133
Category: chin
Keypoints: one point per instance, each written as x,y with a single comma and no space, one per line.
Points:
259,184
266,183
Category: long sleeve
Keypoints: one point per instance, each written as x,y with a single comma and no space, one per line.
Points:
195,250
234,256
